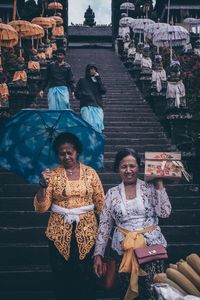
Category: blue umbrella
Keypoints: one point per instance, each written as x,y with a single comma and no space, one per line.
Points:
26,141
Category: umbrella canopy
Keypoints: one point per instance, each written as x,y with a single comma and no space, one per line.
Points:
26,141
55,6
21,26
36,32
172,37
126,21
127,6
8,36
150,29
53,21
59,20
191,21
139,25
45,22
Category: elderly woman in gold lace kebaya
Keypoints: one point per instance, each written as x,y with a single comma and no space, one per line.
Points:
74,193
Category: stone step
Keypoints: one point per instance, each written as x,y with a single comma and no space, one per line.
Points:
136,141
112,114
42,295
27,277
132,123
42,279
135,129
141,135
32,235
140,148
131,117
178,202
29,190
31,218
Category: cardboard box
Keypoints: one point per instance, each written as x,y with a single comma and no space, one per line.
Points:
166,165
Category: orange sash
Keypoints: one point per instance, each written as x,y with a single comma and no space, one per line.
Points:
4,93
33,65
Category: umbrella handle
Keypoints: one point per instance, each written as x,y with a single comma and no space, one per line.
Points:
170,51
20,47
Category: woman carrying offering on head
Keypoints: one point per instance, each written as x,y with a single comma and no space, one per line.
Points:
134,206
74,193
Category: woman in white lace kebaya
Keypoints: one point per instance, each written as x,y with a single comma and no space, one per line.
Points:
132,206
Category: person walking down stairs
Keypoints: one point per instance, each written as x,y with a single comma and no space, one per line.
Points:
60,80
89,91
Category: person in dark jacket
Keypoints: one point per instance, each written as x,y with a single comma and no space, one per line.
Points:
89,91
60,81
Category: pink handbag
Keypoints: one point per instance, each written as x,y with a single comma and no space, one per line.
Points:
150,253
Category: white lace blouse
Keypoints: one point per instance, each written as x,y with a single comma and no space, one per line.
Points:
141,212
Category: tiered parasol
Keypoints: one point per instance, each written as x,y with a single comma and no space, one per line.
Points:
192,22
174,36
126,21
55,6
139,25
150,29
127,6
8,37
59,20
23,28
36,32
45,22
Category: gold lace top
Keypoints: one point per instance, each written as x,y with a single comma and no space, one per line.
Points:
73,194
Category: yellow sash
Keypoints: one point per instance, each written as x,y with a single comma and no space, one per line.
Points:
129,264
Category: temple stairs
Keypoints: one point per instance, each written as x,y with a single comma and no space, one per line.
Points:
129,121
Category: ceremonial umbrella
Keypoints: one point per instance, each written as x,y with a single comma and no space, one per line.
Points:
150,29
45,22
55,6
126,21
59,20
127,6
192,22
8,37
173,36
36,32
139,26
22,27
26,141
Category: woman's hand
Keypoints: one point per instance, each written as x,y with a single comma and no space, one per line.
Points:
46,176
159,184
98,265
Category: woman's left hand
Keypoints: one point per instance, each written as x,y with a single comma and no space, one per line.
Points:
159,184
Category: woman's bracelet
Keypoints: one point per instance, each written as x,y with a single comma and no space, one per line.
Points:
43,184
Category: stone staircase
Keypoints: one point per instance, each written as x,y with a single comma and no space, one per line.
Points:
129,121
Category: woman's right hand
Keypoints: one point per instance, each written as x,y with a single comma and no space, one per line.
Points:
98,265
46,174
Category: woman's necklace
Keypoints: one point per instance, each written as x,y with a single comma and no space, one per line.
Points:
72,170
